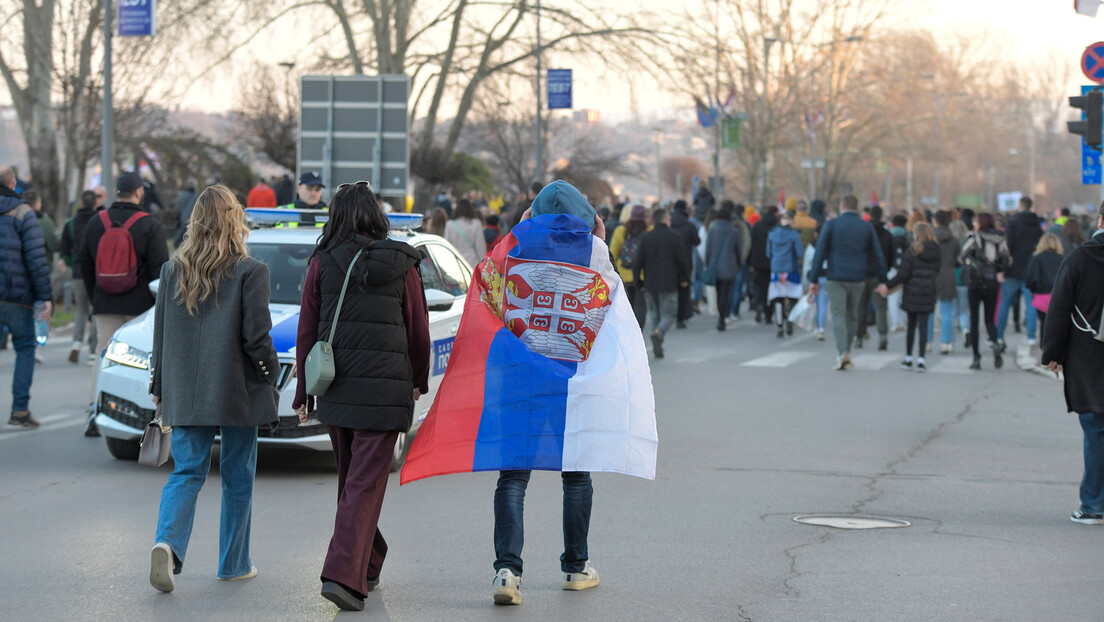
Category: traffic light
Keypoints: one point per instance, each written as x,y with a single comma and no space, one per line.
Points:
1092,105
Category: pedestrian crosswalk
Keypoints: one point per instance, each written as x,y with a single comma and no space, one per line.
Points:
874,361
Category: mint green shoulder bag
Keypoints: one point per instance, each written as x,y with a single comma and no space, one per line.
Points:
319,366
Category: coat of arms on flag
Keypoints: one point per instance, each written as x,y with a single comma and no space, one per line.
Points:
548,370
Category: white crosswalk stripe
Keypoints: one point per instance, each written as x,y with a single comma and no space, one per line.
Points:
873,362
779,359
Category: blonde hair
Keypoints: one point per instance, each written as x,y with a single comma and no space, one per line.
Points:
921,233
1049,242
915,218
213,246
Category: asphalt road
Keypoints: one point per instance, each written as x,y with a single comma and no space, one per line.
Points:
753,432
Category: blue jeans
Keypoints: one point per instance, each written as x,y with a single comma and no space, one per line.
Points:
1092,483
1008,297
962,308
20,323
738,288
822,303
947,320
191,452
509,509
699,284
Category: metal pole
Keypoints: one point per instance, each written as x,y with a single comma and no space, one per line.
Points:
659,166
716,185
539,173
908,184
1031,172
107,134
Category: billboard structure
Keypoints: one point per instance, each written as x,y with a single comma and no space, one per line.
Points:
354,128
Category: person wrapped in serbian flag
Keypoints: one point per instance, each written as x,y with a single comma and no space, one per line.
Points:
548,372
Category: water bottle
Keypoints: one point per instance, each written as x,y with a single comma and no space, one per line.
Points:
42,327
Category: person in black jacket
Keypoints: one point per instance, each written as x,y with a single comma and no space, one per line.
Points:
1071,343
662,259
71,234
918,272
111,311
1022,233
759,262
881,308
686,229
1039,275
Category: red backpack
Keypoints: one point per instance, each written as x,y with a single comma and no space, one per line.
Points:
116,261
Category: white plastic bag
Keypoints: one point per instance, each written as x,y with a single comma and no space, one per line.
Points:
804,313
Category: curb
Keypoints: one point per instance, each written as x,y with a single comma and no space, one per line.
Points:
1026,362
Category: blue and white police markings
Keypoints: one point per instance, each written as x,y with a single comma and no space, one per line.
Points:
442,349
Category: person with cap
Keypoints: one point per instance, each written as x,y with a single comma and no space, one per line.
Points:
624,247
111,309
662,260
558,197
308,196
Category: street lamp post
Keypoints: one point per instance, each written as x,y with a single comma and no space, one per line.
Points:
539,173
767,42
107,134
658,137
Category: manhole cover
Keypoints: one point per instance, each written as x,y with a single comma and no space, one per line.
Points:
852,522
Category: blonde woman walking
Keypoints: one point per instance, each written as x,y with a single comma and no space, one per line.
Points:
212,370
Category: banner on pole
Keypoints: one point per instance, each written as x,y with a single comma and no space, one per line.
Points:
559,88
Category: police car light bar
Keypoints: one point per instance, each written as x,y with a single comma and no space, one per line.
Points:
278,217
274,216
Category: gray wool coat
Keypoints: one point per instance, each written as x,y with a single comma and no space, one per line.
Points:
218,367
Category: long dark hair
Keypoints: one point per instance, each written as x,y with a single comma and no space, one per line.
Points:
985,222
353,209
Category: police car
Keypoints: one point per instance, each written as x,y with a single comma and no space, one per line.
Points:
123,404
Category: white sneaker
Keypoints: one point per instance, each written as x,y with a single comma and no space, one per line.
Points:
161,568
507,588
249,575
1030,342
583,580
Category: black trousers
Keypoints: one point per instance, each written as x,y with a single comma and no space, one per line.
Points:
917,322
685,306
986,298
636,300
724,297
761,280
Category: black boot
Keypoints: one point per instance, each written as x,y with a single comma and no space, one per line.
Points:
977,362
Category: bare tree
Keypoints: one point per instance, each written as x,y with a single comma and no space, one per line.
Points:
268,110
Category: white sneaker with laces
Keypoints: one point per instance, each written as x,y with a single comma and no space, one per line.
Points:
507,588
161,568
583,580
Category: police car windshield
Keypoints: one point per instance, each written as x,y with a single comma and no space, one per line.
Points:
287,269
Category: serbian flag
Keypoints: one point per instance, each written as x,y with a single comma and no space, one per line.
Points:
548,370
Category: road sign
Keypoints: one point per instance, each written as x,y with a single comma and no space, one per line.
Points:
1091,171
1086,7
559,88
136,18
812,162
355,128
730,133
1092,62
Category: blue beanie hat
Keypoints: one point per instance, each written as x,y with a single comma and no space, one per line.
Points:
560,197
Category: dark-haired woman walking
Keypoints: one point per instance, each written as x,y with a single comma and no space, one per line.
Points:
986,256
381,354
919,269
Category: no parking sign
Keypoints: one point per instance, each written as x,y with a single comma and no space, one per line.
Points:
1092,62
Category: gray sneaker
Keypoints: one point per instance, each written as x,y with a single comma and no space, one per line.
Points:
507,588
23,418
583,580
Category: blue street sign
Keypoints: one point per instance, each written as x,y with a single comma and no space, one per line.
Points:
1091,172
136,18
559,88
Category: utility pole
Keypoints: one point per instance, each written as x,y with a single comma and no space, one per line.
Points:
539,173
716,186
107,135
659,165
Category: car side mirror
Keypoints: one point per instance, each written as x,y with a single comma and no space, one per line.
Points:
153,286
438,300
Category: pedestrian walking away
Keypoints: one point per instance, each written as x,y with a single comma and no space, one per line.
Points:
722,260
985,257
918,272
760,264
850,247
887,242
465,232
687,229
24,291
625,246
122,252
558,244
369,287
213,370
1022,235
72,233
784,252
1041,271
1073,345
945,290
662,260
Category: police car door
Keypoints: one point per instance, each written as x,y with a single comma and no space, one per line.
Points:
444,271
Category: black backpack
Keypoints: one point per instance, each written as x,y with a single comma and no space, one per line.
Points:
977,271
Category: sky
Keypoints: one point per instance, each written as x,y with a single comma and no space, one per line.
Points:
1022,30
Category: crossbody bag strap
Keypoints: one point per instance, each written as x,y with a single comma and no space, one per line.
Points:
341,299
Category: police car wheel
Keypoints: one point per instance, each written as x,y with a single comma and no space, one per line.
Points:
398,457
122,449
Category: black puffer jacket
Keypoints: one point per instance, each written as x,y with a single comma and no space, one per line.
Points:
1041,270
688,231
1023,233
374,384
760,232
918,274
949,249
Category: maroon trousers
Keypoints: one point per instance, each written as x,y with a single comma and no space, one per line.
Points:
357,548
